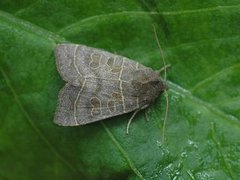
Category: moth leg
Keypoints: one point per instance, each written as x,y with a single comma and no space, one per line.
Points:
130,120
146,115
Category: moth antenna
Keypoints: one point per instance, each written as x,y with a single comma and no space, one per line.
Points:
161,53
165,79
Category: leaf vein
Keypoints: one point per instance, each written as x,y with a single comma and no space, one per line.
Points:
210,78
167,13
125,155
185,93
32,124
219,147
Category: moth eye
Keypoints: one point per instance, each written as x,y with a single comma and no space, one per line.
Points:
110,61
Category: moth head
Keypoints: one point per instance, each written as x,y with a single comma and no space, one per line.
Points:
160,85
151,89
157,87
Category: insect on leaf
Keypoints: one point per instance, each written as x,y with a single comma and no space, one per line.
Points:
101,85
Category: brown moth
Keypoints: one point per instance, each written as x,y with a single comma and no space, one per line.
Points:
101,85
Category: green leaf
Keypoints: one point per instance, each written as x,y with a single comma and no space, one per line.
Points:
201,42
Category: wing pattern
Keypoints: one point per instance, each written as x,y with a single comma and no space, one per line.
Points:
99,84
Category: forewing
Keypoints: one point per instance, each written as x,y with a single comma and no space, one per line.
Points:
75,62
92,101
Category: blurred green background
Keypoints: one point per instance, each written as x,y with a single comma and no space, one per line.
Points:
201,41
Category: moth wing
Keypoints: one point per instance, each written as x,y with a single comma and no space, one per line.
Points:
76,62
78,105
99,84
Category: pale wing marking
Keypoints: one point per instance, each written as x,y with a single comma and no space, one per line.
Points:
74,60
75,102
92,77
137,66
121,89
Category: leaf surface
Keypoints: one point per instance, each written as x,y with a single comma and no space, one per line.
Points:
200,40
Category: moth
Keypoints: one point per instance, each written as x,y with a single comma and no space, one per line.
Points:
101,85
